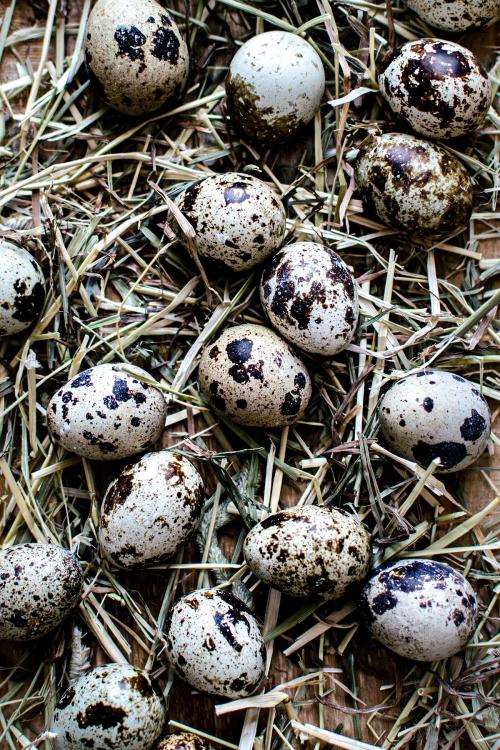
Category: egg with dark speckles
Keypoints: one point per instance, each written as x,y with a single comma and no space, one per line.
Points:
252,376
183,741
112,707
22,290
214,642
456,15
421,609
435,414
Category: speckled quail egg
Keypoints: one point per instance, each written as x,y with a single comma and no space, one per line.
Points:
414,185
113,706
435,414
252,376
183,741
214,642
275,84
107,412
136,53
40,584
438,87
150,510
456,15
22,291
421,609
238,219
310,297
309,551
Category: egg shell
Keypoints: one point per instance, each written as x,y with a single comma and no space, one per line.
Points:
309,551
456,15
421,609
275,84
252,376
439,88
40,585
214,642
310,297
136,54
112,706
107,412
414,185
150,510
22,290
183,741
435,414
238,219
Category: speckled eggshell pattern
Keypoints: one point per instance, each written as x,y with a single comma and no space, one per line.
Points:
22,291
40,584
456,15
275,84
107,412
214,642
136,54
414,185
421,609
310,297
150,510
435,414
113,707
252,376
238,219
309,551
439,88
183,741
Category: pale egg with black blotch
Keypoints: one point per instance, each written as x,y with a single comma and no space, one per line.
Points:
456,15
183,741
22,289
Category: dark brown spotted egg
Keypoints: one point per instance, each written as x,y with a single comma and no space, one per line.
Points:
22,291
136,54
438,87
414,185
40,584
107,412
252,376
214,642
421,609
456,15
183,741
113,707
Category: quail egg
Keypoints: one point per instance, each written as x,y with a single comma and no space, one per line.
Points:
275,84
40,584
414,185
136,54
22,292
113,706
238,219
456,15
435,414
214,642
310,297
250,375
183,741
309,551
107,412
421,609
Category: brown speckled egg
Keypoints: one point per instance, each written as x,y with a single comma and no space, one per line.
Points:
136,54
438,87
22,292
238,219
107,412
414,185
456,15
309,551
183,741
252,376
40,585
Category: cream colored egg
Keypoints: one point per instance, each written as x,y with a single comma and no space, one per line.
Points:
22,291
456,15
183,741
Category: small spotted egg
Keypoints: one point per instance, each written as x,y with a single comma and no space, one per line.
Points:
214,642
238,219
414,185
456,15
150,510
421,609
115,706
438,87
183,741
435,414
135,54
275,84
252,376
40,585
22,292
310,297
309,551
107,412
